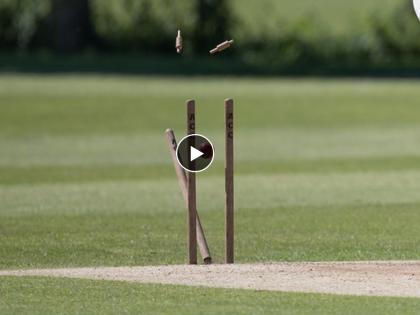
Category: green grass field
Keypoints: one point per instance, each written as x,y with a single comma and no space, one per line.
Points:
325,170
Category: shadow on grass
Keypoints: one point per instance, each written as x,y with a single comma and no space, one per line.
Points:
142,64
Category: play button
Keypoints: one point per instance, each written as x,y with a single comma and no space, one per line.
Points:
195,153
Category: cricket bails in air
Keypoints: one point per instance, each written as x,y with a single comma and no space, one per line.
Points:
221,47
178,43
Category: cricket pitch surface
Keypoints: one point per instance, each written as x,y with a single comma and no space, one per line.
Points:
373,278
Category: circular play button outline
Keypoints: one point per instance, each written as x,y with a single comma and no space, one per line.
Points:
185,139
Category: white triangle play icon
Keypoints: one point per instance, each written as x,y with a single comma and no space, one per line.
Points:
195,154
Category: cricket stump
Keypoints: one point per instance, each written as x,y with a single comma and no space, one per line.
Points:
229,200
191,188
182,181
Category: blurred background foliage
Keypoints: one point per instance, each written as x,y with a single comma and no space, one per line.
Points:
271,36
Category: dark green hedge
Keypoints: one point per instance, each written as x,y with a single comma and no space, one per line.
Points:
148,26
114,25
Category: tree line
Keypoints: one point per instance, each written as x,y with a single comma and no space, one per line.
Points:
149,27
